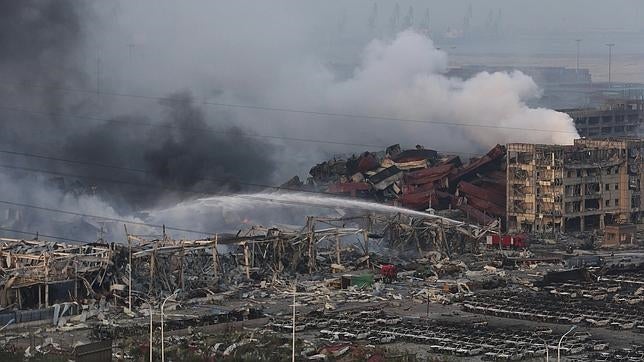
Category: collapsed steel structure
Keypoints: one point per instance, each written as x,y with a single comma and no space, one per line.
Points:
141,269
29,267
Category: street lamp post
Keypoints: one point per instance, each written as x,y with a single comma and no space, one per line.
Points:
561,340
162,306
610,62
150,302
545,345
577,72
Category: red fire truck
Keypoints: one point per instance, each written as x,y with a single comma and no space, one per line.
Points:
517,241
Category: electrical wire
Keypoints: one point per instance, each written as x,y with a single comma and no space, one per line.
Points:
43,235
208,130
100,217
304,111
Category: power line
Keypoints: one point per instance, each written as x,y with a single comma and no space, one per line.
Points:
309,112
43,235
210,130
147,186
99,217
143,171
100,179
383,118
49,158
195,129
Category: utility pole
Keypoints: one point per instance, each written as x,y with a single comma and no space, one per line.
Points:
577,73
150,303
131,49
98,73
373,18
293,336
129,270
610,62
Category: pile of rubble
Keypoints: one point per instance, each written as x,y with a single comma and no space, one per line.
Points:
417,179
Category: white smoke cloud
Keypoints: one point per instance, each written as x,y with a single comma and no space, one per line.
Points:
404,78
236,56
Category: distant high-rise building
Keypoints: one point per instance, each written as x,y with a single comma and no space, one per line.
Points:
467,20
409,18
395,19
373,17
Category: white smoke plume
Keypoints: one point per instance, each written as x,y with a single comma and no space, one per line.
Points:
237,57
404,79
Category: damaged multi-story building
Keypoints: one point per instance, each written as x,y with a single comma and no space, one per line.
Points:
578,187
616,118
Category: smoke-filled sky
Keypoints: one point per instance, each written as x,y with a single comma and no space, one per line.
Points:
82,80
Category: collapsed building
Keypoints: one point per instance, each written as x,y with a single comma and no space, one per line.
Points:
418,179
577,187
38,273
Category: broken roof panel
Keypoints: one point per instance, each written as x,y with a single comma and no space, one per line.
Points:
494,155
386,177
414,155
482,193
349,187
428,175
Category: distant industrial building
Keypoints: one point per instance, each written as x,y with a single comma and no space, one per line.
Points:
617,118
562,88
541,75
580,187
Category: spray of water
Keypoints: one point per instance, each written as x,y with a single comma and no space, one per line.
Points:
301,199
269,208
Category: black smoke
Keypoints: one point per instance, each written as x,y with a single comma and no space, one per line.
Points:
182,155
39,32
179,152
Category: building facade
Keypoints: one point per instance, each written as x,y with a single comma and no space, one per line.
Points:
580,187
621,118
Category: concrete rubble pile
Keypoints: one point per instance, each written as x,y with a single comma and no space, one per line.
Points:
417,179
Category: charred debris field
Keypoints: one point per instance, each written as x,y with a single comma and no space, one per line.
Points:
419,266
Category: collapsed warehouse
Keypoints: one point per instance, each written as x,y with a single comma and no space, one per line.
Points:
418,179
37,274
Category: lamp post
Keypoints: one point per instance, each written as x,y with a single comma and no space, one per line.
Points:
162,306
293,337
150,303
545,345
561,340
577,72
610,62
